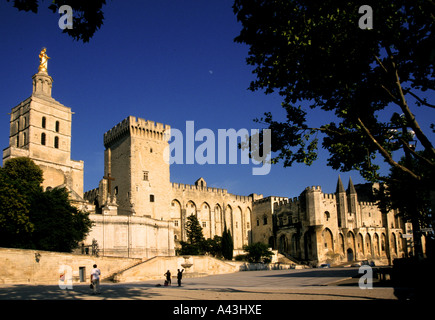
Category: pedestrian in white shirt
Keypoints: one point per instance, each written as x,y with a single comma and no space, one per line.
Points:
95,279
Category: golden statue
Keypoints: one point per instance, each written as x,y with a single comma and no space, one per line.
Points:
43,59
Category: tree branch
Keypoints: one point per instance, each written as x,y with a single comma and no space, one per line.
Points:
424,102
390,94
408,114
381,64
328,130
385,154
411,150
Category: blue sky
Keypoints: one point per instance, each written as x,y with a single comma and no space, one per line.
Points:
167,61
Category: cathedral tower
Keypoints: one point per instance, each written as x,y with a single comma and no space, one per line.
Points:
40,129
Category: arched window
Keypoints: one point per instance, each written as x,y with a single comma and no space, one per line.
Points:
43,139
57,126
44,122
328,239
56,142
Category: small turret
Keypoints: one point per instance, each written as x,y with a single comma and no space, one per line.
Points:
352,200
340,187
341,204
350,187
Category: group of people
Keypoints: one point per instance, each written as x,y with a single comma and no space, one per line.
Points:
96,274
168,277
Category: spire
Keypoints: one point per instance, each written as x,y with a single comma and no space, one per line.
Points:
340,187
42,82
351,188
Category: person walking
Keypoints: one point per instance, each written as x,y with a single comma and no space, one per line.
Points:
179,276
168,277
95,279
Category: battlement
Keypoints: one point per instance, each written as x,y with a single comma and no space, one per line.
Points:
91,195
271,199
364,203
183,186
313,188
137,127
329,196
281,204
240,198
286,203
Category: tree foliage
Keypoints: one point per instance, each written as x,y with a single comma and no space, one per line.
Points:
33,219
58,225
405,195
258,252
314,54
196,243
213,246
410,199
195,238
194,230
227,244
20,178
14,214
88,15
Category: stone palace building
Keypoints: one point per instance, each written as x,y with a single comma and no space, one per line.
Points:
138,212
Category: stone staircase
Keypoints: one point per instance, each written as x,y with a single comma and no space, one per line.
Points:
112,276
287,259
154,268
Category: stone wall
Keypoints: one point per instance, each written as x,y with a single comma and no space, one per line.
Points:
194,266
34,267
131,236
42,267
262,219
214,209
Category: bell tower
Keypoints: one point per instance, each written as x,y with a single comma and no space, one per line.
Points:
40,129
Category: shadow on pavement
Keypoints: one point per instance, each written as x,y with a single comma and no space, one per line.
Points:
326,273
79,292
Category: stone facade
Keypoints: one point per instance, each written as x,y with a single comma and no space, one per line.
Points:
40,128
138,212
318,228
136,187
214,209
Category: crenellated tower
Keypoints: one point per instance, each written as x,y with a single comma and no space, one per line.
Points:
135,168
313,205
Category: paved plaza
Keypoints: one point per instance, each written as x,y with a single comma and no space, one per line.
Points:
304,284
